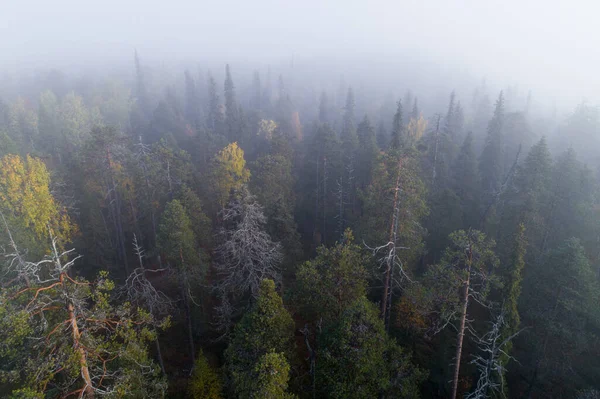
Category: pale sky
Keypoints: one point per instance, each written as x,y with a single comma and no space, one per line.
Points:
545,44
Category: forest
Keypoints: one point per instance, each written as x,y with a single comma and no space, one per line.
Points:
221,234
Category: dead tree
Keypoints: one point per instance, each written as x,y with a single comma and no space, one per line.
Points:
488,362
247,254
141,291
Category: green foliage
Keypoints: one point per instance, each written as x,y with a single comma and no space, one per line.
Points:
358,360
392,170
81,334
199,222
367,152
266,328
273,182
272,374
513,277
205,382
491,162
560,304
176,239
398,139
332,281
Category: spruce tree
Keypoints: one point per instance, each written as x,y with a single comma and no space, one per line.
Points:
231,108
332,281
491,166
266,328
560,293
397,128
465,183
358,360
367,153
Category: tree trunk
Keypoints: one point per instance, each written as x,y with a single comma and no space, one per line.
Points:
392,241
435,153
461,330
188,315
159,355
88,389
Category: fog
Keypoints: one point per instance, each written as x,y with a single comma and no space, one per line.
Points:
546,47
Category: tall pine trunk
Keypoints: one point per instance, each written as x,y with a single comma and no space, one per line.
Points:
461,329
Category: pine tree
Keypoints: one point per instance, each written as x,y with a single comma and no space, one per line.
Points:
83,345
266,328
394,206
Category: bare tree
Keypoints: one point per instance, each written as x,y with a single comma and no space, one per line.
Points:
247,254
141,291
489,363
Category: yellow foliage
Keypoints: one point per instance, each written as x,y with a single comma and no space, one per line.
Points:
266,127
229,172
416,128
25,198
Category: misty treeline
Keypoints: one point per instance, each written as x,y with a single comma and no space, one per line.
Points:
245,239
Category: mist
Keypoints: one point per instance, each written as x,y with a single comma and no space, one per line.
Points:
299,199
546,47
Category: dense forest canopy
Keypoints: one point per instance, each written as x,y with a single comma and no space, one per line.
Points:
296,229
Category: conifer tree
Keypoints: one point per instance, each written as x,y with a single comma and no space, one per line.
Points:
141,92
397,128
323,108
82,345
231,108
256,91
367,153
177,243
513,277
527,198
332,281
382,136
266,328
491,167
561,296
205,382
245,256
358,360
215,115
465,183
192,100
